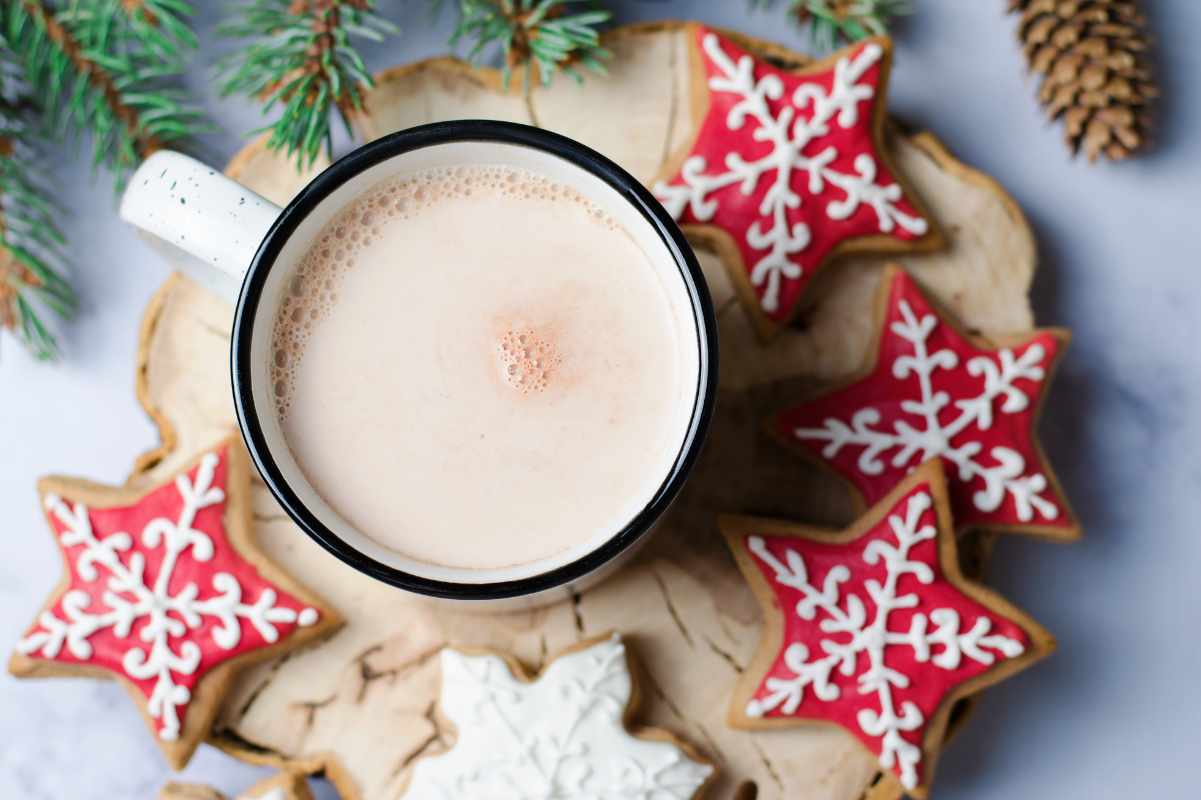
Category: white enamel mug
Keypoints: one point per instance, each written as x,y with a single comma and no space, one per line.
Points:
243,246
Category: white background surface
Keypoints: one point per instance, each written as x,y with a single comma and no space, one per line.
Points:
1113,715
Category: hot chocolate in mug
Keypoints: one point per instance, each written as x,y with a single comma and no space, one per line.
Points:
475,360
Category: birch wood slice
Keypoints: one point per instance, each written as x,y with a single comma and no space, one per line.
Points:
362,705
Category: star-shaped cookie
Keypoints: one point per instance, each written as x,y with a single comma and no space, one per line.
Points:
789,169
562,734
164,590
930,390
873,628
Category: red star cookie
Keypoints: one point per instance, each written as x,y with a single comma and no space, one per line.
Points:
931,391
164,590
788,170
873,628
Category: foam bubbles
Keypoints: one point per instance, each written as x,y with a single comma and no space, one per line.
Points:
527,359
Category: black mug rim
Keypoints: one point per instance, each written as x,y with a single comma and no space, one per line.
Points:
389,147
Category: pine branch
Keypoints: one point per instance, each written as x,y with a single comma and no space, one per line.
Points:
300,56
833,23
107,68
31,244
549,35
104,68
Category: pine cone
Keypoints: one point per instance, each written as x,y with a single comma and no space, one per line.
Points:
1091,56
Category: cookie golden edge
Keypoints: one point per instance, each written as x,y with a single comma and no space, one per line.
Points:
1055,533
723,244
629,717
213,686
735,527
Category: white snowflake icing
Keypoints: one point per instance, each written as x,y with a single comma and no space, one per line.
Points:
914,445
789,134
129,598
938,628
561,736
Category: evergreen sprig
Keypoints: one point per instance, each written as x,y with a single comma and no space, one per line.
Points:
547,35
836,22
31,244
301,56
104,69
107,68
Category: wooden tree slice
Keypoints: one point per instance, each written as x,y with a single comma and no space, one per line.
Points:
361,706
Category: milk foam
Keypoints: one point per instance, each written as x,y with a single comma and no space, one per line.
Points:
477,368
313,289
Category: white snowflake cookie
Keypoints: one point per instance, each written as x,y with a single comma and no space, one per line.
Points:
560,735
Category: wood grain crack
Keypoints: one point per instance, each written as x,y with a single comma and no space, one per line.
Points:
431,716
770,767
685,720
258,690
711,743
311,707
420,751
725,655
833,769
870,789
667,701
576,612
671,607
369,674
673,105
436,737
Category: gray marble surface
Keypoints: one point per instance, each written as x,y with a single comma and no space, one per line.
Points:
1114,714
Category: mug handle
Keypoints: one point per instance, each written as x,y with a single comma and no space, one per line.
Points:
209,225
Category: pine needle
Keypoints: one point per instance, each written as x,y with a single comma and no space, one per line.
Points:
31,243
300,58
833,23
548,36
105,70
